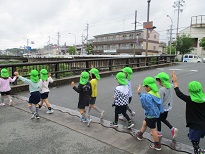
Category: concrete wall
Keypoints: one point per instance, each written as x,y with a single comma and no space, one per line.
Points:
196,32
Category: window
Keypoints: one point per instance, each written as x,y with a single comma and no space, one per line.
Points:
190,56
154,47
155,36
186,56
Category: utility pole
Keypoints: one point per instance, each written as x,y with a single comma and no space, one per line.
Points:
147,34
135,32
82,44
58,41
87,27
49,42
27,45
170,42
177,5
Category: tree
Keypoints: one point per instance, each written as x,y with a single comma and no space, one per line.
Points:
184,44
89,49
172,50
71,50
202,43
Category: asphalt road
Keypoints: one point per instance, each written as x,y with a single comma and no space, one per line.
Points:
65,96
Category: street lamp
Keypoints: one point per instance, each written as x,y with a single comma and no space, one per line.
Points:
75,40
170,42
148,1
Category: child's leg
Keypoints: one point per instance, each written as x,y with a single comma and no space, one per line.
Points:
155,135
144,127
195,136
116,117
128,108
2,98
83,113
159,125
31,108
9,97
41,103
139,134
156,145
125,114
37,111
47,104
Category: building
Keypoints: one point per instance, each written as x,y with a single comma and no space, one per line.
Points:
162,48
197,31
124,43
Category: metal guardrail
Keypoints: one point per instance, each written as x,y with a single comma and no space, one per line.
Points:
66,68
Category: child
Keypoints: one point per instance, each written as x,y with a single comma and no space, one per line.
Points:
35,95
121,99
195,111
5,88
152,105
44,90
85,90
128,72
95,77
166,95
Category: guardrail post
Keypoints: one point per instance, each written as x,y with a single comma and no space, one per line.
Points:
110,65
138,62
57,75
157,60
87,65
13,69
127,62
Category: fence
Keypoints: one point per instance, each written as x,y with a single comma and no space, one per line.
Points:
66,68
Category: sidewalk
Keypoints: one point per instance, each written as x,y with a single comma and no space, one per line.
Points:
63,133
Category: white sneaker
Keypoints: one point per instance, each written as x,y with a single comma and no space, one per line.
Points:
49,111
33,116
101,114
89,122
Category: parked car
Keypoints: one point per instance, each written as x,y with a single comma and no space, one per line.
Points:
192,58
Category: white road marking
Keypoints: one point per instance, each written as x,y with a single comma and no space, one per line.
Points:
194,70
175,69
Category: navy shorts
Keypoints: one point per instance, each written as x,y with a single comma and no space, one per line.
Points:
196,135
5,93
151,122
44,95
35,97
83,104
92,100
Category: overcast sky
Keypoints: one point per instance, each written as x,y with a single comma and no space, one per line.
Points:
36,20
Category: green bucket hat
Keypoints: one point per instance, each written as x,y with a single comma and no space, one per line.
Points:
129,71
95,72
196,93
150,81
34,76
164,78
84,78
4,73
44,74
121,78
